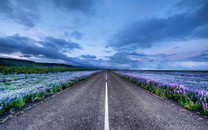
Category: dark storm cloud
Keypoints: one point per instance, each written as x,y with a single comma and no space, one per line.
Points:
50,47
135,60
192,24
59,43
122,58
24,12
201,31
83,6
88,56
137,54
5,6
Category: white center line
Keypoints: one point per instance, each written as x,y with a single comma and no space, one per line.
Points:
106,76
106,106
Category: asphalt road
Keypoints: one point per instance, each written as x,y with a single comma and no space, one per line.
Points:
85,106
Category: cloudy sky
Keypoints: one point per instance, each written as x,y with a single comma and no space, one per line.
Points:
136,34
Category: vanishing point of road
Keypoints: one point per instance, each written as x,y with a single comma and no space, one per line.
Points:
106,102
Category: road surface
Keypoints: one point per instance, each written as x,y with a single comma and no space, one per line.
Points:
106,101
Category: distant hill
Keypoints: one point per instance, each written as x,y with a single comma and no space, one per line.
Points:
27,63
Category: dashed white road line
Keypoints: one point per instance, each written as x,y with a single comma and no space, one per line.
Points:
106,105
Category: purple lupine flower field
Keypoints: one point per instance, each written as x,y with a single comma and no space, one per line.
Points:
191,80
192,85
16,86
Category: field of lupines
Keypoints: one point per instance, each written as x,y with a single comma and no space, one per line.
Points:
18,89
190,89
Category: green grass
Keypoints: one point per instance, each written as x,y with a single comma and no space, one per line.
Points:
38,70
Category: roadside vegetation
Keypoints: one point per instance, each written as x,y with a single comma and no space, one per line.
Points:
196,100
16,90
16,66
11,106
37,70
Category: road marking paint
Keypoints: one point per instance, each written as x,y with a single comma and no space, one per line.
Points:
106,76
106,107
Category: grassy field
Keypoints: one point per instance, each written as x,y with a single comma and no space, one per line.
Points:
37,70
16,66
